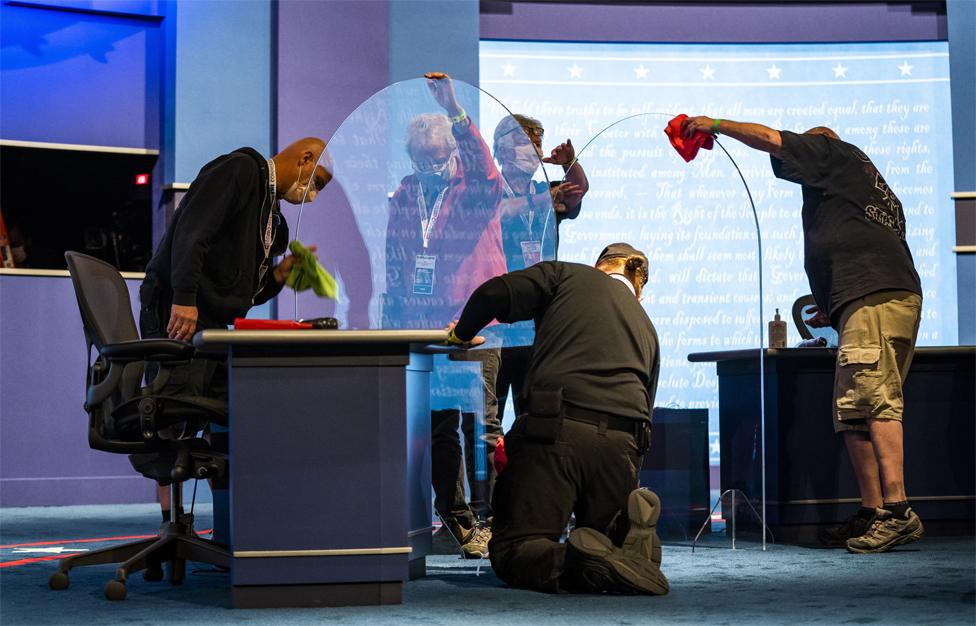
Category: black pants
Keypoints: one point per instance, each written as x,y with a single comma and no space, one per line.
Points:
199,377
447,472
586,472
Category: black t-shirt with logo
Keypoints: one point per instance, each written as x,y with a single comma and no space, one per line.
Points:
853,225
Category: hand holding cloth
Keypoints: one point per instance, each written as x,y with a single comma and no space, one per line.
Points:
309,273
687,148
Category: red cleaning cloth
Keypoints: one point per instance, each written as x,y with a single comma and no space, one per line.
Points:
687,148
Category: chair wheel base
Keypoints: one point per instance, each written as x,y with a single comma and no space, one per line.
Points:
58,581
115,590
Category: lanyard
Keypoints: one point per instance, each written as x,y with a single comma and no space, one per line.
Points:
427,225
528,221
268,236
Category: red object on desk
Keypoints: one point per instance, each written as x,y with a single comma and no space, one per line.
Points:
242,323
501,458
687,148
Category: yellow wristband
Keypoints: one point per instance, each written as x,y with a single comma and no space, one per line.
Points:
715,125
460,117
454,340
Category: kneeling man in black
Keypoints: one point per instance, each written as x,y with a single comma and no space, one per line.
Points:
578,446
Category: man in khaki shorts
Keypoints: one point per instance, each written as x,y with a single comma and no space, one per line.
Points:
864,281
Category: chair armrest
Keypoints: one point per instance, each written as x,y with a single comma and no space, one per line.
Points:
148,350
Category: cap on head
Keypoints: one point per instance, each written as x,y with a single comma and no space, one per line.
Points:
620,251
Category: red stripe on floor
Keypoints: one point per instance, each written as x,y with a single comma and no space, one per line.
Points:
35,559
97,539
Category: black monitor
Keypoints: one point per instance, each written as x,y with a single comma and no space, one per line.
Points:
99,203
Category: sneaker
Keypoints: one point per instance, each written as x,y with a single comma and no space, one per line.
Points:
888,531
595,565
854,526
643,511
476,546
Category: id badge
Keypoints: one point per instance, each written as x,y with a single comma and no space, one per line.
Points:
531,252
423,277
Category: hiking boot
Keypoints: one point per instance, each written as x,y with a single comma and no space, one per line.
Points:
458,532
594,565
643,511
854,526
476,546
888,531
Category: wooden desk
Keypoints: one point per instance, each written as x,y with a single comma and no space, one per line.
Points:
809,480
327,500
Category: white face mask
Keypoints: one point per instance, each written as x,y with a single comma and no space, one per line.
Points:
296,193
527,158
437,177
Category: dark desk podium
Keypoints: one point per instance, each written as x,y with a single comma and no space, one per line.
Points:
809,480
329,439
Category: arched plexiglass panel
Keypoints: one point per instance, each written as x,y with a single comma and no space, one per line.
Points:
433,203
434,212
699,229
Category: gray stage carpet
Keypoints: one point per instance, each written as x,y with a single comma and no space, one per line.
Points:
929,582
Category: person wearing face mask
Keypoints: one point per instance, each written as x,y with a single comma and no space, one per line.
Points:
530,232
217,257
578,446
443,240
443,237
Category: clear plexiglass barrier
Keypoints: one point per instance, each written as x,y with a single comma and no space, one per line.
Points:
700,230
443,188
439,202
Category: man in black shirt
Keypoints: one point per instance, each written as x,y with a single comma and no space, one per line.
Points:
216,258
865,285
578,446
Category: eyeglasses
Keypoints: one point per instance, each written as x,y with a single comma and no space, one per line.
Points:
432,167
532,131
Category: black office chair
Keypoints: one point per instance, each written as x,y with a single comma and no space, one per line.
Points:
125,417
809,332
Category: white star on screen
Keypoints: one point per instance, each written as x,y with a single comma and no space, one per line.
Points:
575,71
906,69
839,71
774,71
714,448
640,71
708,72
508,69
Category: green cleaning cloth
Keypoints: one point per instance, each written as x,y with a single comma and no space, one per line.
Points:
309,274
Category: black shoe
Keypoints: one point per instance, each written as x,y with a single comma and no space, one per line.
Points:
595,565
854,526
643,511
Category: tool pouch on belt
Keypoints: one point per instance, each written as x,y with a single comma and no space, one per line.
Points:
642,438
545,420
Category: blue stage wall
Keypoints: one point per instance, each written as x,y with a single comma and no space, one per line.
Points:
962,72
219,87
79,77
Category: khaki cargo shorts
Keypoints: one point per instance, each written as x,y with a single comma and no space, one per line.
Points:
877,342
